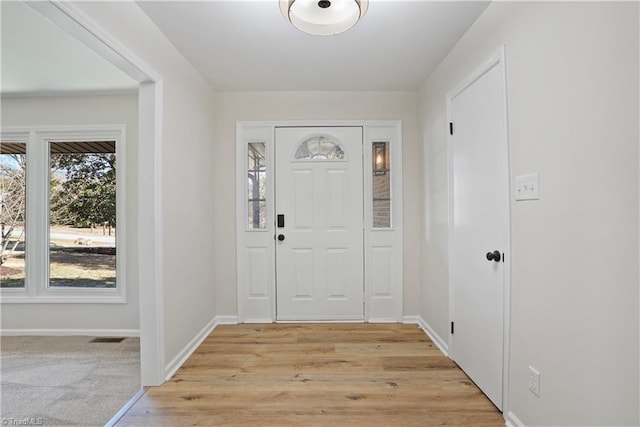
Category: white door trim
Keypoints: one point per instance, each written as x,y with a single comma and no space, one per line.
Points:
71,19
383,247
497,58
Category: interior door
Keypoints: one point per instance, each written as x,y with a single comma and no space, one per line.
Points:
319,225
480,229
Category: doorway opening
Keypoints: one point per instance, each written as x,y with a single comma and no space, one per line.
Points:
319,239
72,20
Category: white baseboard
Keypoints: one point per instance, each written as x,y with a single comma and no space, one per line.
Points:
70,332
188,350
257,321
412,320
383,320
435,338
227,320
510,420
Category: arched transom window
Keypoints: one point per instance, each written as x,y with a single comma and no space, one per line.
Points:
320,148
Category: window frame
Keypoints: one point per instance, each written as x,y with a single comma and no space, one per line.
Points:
36,289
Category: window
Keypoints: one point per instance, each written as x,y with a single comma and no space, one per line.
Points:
257,186
63,196
13,201
381,185
82,214
319,148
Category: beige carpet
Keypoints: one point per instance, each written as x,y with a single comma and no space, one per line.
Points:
66,381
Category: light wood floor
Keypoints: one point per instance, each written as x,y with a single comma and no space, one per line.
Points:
316,375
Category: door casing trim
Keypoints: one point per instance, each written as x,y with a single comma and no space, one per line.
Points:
381,304
73,20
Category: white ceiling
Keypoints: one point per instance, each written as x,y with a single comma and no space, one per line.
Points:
38,57
248,45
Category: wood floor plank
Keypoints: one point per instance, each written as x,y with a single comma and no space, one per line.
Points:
315,374
227,349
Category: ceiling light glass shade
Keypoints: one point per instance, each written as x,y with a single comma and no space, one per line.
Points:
323,17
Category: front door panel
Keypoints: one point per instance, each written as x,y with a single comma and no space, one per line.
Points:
319,234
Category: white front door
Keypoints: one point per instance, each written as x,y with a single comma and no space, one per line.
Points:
480,218
319,223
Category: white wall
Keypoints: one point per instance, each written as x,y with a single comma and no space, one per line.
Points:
83,110
248,106
573,110
187,154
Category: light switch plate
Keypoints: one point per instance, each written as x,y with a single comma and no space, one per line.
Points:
528,187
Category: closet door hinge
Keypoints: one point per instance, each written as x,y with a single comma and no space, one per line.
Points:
452,328
450,128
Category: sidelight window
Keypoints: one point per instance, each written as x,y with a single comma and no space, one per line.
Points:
257,186
381,185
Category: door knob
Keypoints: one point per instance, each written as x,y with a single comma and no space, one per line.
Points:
281,237
494,256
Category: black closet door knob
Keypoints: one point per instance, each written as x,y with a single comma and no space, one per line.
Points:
494,256
281,237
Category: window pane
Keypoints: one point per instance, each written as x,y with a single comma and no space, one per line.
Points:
319,148
13,203
381,185
82,234
257,186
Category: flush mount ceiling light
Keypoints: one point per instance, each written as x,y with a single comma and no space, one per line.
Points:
323,17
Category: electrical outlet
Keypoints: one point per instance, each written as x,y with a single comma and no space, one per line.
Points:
534,381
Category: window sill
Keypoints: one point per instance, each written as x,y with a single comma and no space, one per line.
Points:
58,298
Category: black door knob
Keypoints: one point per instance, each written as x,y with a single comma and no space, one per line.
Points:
494,256
281,237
